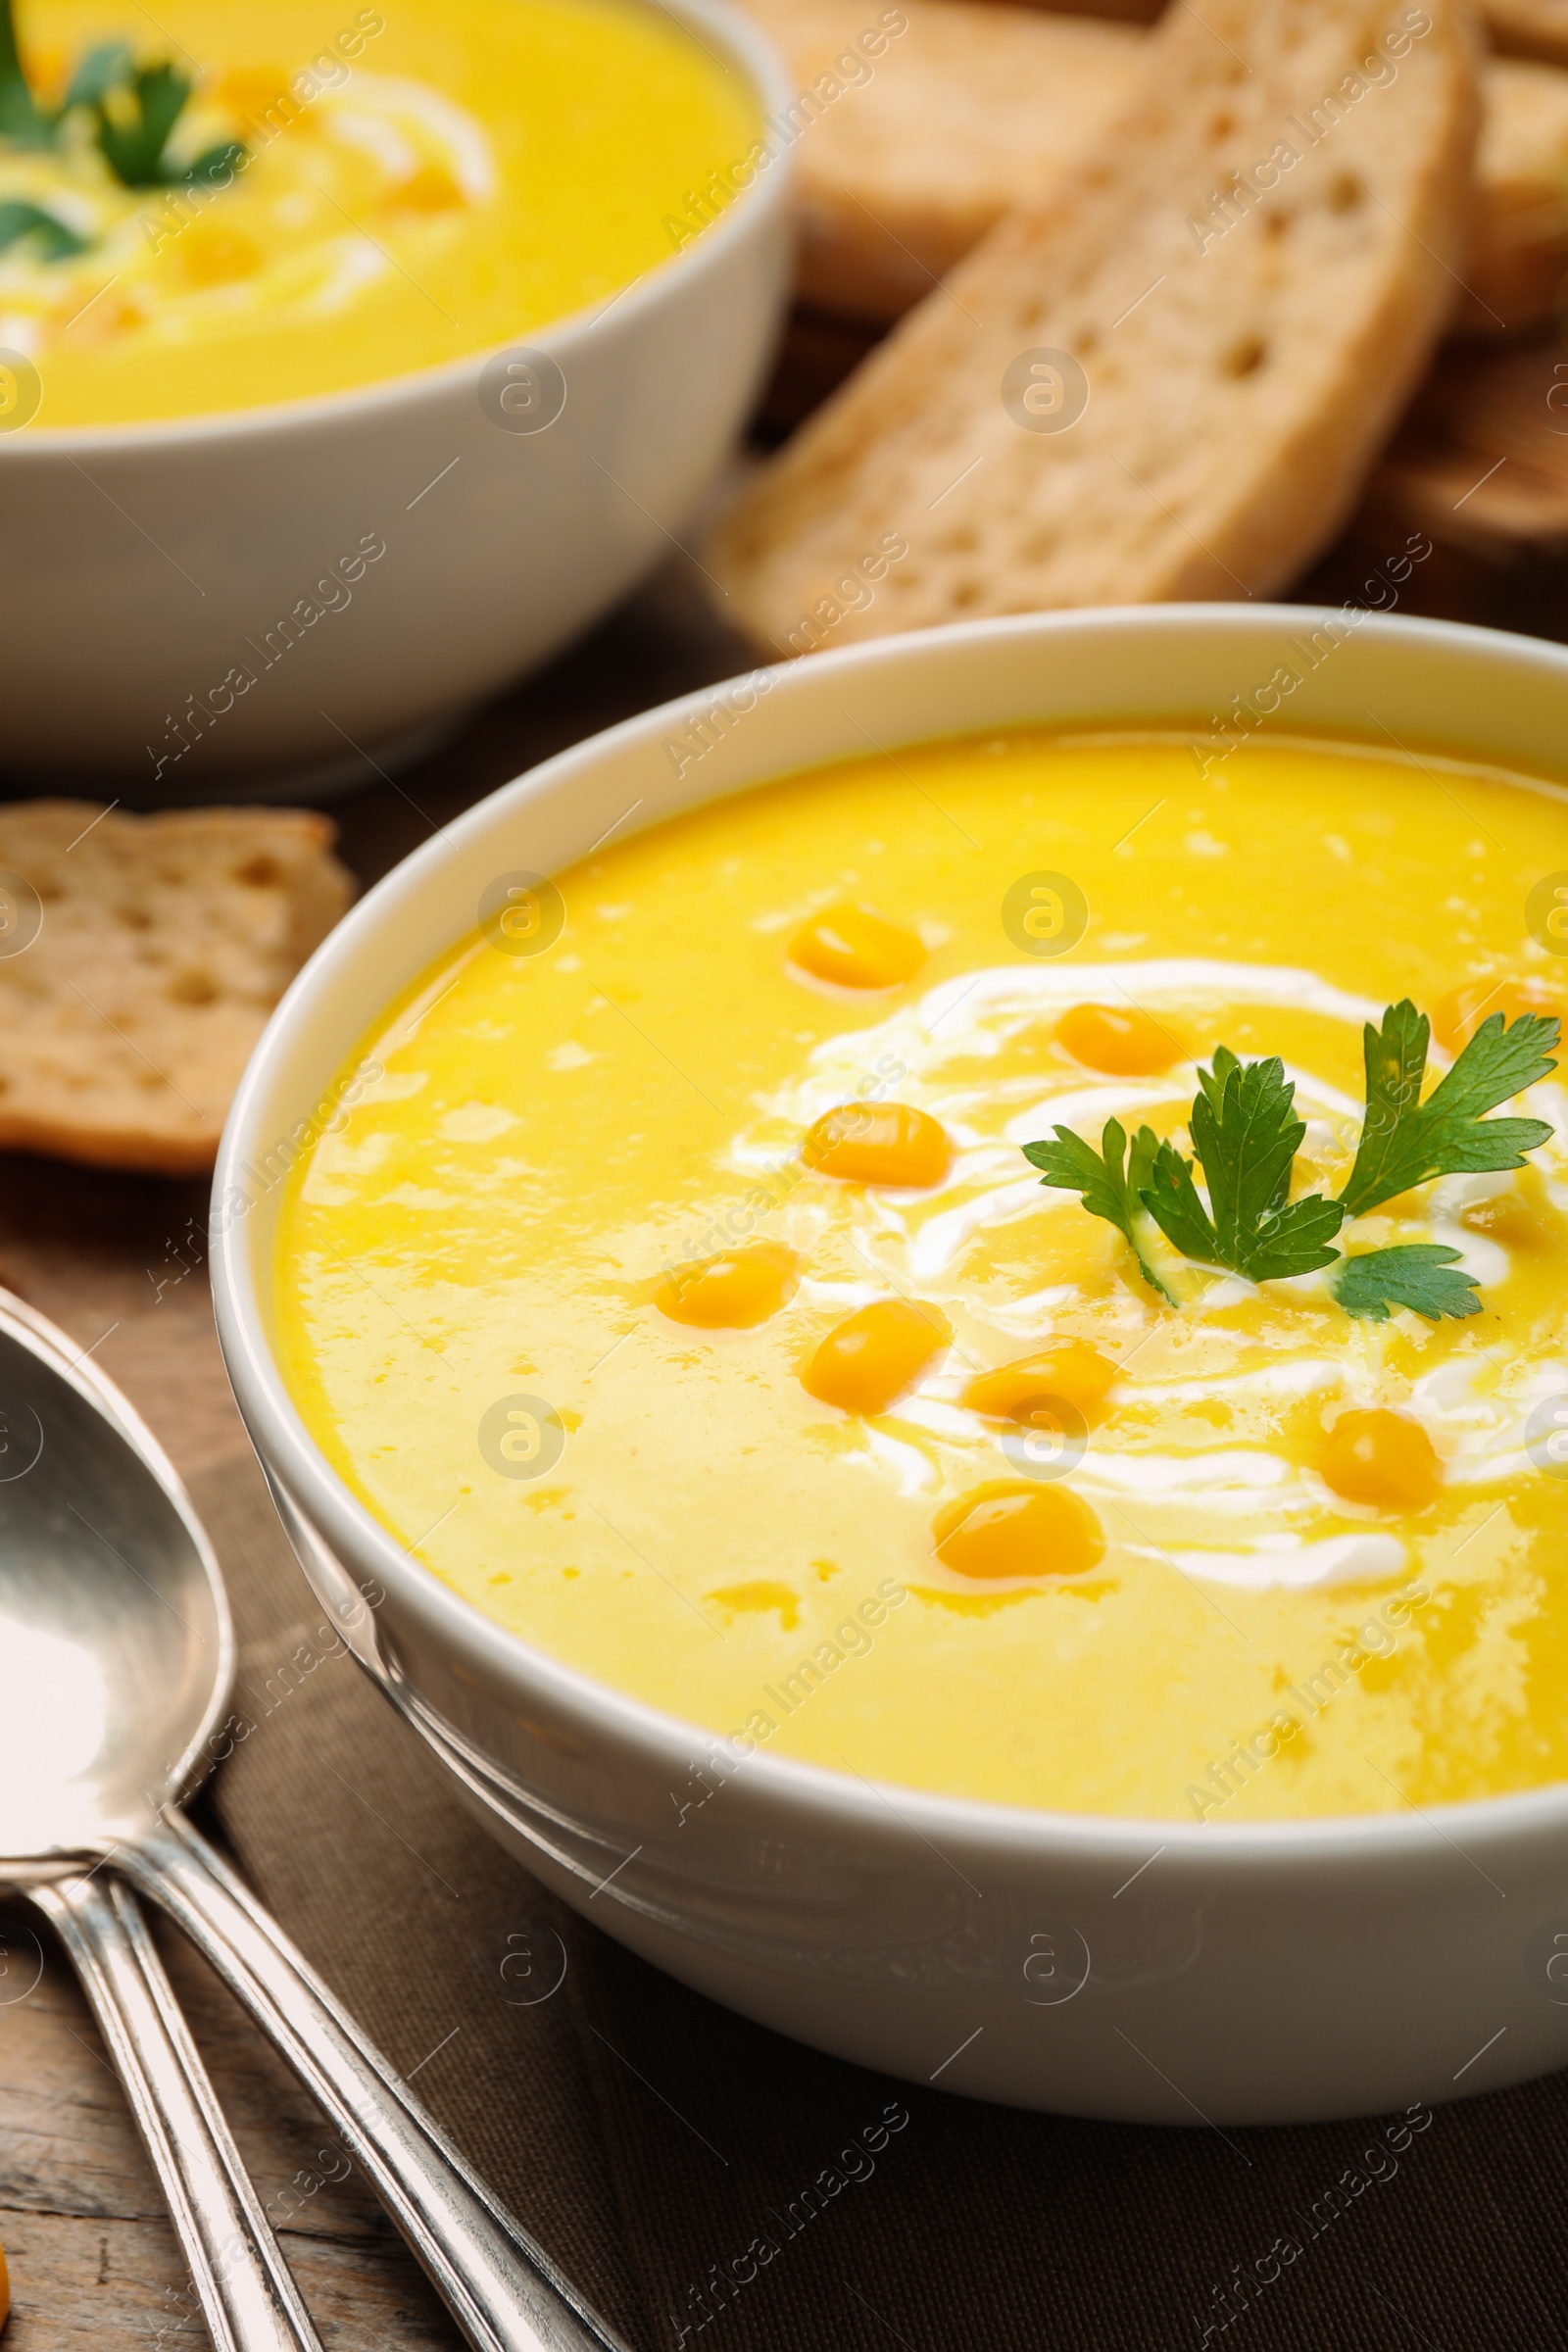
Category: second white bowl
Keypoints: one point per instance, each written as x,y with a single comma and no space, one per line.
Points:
146,569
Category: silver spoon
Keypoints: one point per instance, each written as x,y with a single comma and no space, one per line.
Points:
110,1593
246,2291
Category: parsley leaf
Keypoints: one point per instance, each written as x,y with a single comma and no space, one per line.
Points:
1406,1142
101,71
1074,1166
136,115
1171,1198
1246,1134
1414,1274
136,110
52,240
19,119
213,168
23,123
134,123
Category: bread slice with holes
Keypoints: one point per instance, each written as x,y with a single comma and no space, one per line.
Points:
912,150
139,958
1518,27
975,107
1250,267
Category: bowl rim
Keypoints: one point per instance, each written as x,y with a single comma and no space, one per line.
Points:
746,215
289,1452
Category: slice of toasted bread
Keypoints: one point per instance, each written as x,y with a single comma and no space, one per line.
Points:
139,958
1520,254
1518,27
954,120
1244,280
973,107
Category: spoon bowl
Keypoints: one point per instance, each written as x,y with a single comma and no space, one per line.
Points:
117,1650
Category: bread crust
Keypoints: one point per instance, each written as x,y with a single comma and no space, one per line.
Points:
1247,346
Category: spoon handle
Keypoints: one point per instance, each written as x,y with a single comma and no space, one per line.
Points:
500,2286
247,2295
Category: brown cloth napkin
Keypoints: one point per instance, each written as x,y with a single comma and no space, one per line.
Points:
660,2146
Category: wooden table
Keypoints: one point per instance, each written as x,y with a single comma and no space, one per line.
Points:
117,1262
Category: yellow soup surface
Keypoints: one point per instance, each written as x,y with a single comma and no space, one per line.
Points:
674,1285
419,183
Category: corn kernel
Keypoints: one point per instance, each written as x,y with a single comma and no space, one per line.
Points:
879,1143
45,71
212,255
1004,1530
1461,1013
877,1354
98,325
1066,1371
854,947
250,90
430,189
1384,1458
733,1291
1120,1040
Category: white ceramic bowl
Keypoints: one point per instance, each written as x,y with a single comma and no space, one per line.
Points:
1159,1971
142,564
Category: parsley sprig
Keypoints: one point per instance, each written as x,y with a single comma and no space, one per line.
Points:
1246,1134
134,109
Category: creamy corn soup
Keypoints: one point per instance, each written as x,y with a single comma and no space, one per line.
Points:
416,183
676,1287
